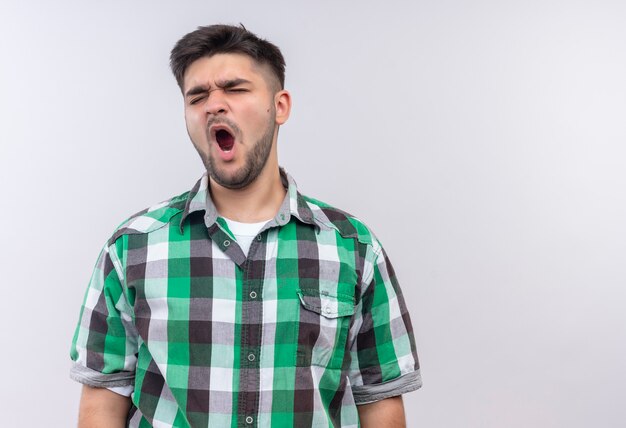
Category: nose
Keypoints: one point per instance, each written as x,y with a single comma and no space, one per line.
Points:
216,103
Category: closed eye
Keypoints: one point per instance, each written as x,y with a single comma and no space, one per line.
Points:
197,100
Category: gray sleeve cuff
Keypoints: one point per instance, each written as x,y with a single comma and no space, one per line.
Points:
365,394
94,378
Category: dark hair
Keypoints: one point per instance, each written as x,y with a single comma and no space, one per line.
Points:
214,39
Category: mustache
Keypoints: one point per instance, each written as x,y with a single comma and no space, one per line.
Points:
222,121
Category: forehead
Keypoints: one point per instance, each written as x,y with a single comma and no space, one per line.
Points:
221,67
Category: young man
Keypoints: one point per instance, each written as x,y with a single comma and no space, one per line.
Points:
242,302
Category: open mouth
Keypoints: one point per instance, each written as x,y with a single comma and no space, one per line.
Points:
225,140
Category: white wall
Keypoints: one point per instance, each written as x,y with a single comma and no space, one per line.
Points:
483,141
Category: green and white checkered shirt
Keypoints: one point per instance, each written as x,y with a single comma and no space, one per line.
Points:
311,323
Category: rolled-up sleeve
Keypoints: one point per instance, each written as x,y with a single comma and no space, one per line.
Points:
104,346
384,357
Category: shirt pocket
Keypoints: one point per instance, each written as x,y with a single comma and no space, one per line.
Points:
324,322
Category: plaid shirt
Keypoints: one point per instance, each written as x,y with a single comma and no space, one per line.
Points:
311,323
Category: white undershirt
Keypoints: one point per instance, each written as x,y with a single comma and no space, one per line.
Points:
244,234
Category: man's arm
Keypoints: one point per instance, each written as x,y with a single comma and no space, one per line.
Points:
388,413
101,408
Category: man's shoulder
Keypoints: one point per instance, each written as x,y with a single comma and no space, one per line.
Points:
345,224
152,218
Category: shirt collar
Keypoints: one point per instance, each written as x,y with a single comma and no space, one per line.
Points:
294,204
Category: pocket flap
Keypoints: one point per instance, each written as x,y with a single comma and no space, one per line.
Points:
327,304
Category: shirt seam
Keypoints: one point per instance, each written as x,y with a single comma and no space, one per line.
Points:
368,275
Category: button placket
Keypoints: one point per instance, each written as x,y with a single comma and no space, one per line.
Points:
251,318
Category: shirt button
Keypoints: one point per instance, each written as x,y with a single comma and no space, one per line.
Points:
253,294
226,243
249,420
251,357
327,310
258,237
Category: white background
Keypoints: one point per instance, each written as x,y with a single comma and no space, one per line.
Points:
483,141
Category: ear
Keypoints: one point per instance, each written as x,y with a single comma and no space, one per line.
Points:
282,102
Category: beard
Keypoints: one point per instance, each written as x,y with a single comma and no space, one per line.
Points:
255,160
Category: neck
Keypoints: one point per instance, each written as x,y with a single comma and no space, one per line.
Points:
258,201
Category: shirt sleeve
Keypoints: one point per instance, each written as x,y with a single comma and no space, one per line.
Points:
384,357
104,347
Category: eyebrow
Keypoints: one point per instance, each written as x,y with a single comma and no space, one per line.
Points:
226,84
222,84
196,90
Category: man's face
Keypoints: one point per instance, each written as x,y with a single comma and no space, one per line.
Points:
230,112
